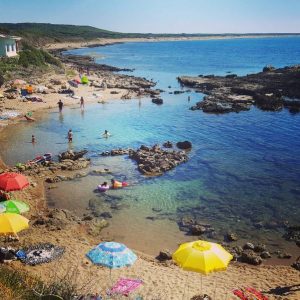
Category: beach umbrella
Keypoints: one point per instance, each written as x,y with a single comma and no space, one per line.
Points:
112,255
12,223
13,182
15,206
202,257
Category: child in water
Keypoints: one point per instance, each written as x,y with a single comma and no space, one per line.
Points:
33,139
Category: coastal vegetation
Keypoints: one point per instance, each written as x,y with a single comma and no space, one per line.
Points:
19,284
30,57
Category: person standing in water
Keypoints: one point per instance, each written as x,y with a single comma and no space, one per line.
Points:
70,136
60,105
33,139
81,103
189,98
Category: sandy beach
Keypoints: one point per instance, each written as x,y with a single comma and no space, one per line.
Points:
103,42
163,281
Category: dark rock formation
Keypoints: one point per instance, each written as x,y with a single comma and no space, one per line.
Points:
184,145
193,227
292,234
271,90
168,144
158,101
231,237
250,257
265,255
284,255
178,92
116,152
72,155
164,255
155,161
296,265
201,297
249,246
268,68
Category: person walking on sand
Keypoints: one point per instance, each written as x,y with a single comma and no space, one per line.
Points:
60,105
81,103
70,136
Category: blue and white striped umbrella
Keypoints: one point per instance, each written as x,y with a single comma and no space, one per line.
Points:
112,255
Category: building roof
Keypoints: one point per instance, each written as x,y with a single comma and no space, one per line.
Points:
3,36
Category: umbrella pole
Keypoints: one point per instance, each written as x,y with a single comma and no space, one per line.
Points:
201,283
215,290
184,288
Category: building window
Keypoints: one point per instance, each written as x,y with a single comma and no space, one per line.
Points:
13,48
7,48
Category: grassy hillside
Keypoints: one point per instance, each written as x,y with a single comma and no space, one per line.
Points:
40,33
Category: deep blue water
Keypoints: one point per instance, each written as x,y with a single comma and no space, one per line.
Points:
244,168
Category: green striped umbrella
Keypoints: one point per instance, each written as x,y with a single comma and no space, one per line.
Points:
15,206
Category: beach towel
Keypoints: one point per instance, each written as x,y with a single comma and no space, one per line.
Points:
41,253
249,293
125,286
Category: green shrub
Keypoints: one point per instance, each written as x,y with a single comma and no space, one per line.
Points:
36,57
51,60
8,64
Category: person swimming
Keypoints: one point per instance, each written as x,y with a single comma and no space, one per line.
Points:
33,139
106,134
104,184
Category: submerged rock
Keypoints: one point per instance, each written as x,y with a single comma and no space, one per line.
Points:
184,145
231,237
157,101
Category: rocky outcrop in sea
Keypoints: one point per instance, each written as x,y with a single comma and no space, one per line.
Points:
271,90
154,161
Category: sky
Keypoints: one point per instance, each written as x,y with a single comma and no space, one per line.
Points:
161,16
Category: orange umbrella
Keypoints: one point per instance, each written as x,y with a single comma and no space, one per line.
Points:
13,182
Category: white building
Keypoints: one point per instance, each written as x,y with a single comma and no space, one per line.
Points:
9,45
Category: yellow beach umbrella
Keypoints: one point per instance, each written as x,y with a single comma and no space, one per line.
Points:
202,257
11,223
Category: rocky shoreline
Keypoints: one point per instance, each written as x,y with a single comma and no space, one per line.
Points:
107,75
270,90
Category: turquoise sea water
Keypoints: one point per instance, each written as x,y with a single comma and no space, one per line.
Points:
244,168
